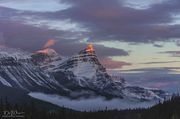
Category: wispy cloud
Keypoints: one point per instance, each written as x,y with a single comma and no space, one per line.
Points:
163,62
35,5
172,53
72,21
112,64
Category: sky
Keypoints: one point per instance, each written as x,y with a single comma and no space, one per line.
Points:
128,35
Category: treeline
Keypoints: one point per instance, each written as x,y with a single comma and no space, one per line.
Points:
167,110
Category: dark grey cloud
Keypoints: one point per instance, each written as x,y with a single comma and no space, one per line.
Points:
177,42
158,45
69,48
172,53
110,20
32,38
162,78
24,36
104,19
159,70
163,62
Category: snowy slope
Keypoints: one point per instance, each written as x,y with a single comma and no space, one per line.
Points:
12,52
80,76
84,71
47,59
17,70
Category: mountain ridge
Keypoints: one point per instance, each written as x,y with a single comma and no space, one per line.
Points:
81,75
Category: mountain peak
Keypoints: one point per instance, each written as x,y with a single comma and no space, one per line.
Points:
79,76
46,55
48,52
88,50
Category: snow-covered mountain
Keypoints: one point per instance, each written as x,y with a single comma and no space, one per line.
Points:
47,58
80,76
17,70
84,76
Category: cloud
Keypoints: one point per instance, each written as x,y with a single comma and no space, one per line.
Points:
2,40
172,53
157,45
141,4
68,48
111,20
35,5
155,70
62,25
49,43
32,38
91,21
163,62
26,37
112,64
162,84
177,42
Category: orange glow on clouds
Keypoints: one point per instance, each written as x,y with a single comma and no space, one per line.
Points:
49,43
46,48
45,51
113,64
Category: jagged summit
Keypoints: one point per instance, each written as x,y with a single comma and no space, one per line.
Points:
84,63
45,56
88,50
47,51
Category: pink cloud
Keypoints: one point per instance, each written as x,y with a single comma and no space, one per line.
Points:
112,64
